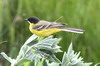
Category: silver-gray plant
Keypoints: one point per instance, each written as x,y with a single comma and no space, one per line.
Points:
42,53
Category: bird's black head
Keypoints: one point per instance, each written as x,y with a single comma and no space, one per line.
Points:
33,20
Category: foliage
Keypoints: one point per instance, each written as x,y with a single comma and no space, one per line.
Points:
42,52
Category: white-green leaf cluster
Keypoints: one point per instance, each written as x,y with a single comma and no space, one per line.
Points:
33,49
42,53
22,53
72,59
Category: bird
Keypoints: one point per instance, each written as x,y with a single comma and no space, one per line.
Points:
45,28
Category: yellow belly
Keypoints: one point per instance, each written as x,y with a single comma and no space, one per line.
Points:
45,32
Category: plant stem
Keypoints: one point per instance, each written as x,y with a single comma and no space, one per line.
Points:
27,63
41,38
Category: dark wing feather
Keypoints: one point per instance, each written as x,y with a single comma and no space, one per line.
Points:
45,25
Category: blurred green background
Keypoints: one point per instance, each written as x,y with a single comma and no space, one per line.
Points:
84,14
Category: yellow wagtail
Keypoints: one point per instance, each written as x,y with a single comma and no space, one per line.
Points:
45,28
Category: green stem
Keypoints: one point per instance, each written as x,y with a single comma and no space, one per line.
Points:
41,38
35,62
27,63
41,62
58,18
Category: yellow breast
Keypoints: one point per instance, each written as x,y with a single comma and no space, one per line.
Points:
44,32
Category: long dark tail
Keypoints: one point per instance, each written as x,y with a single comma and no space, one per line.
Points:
74,30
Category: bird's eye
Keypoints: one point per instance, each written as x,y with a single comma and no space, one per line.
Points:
33,20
